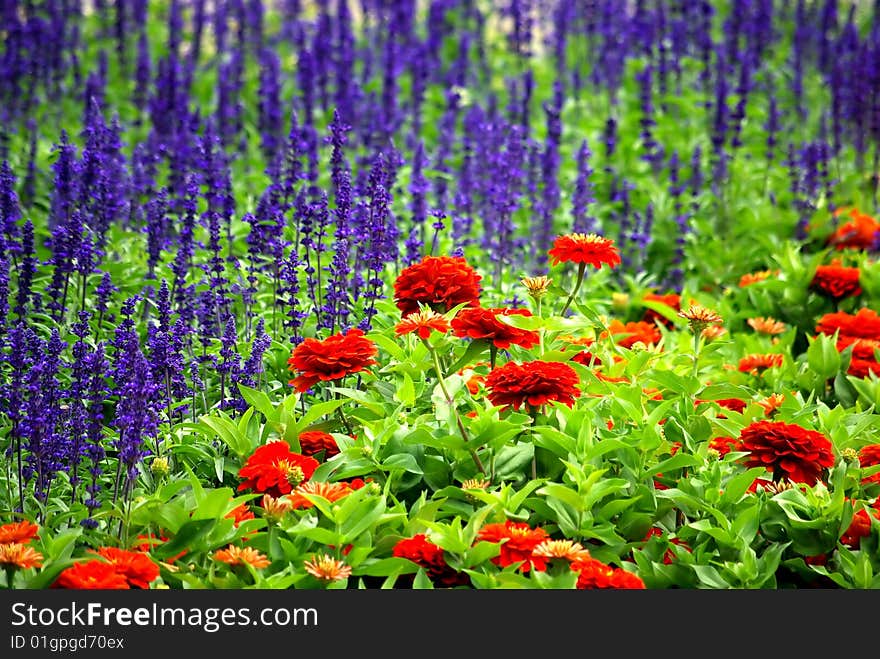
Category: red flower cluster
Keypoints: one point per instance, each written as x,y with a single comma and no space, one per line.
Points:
479,323
117,569
274,469
860,526
594,574
860,232
626,335
861,331
869,456
519,540
672,300
788,450
584,248
331,359
312,442
532,384
426,554
440,282
836,281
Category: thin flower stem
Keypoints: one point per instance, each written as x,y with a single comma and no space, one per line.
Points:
540,329
582,269
450,401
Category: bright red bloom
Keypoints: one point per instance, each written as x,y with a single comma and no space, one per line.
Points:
836,281
331,359
584,248
312,442
723,445
788,450
532,384
861,232
479,323
860,368
274,469
869,456
519,540
440,282
757,363
18,532
429,556
593,574
137,567
859,527
864,324
92,575
672,300
422,322
628,334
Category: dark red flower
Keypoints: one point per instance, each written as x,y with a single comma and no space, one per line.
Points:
136,566
519,540
584,248
836,281
274,469
440,282
312,442
628,334
431,557
859,527
532,384
869,456
788,450
92,575
479,323
331,359
671,300
594,574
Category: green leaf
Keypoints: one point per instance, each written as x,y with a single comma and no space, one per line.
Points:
186,538
406,394
259,401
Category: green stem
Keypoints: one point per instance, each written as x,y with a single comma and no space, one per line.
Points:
582,269
540,329
450,401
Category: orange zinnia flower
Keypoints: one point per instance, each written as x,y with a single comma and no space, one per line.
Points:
234,555
754,277
92,575
757,363
19,555
566,549
633,332
137,567
479,323
861,232
330,491
766,325
441,282
20,532
331,359
586,248
519,542
772,403
422,322
327,568
274,469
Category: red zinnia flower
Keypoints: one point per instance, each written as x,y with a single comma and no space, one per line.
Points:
723,445
440,282
533,384
426,554
480,323
331,359
587,248
422,322
672,300
836,281
869,456
18,532
861,232
137,568
593,573
788,450
756,364
519,540
274,469
312,442
859,527
628,334
92,575
864,324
